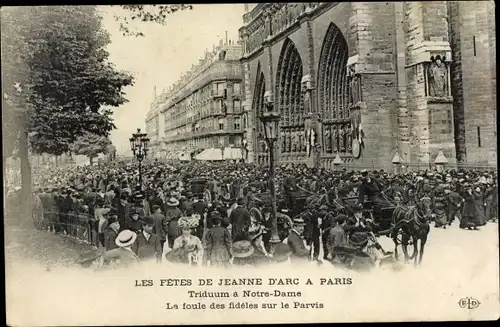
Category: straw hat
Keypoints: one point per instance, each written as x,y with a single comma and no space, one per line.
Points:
188,222
282,252
242,249
172,202
125,238
298,221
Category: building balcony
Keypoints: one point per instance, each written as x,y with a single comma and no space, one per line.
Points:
202,133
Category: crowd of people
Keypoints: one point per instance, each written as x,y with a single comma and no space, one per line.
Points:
217,214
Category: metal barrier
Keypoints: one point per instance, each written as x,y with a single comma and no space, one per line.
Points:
81,227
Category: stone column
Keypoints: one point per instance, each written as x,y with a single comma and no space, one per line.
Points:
402,111
428,58
373,84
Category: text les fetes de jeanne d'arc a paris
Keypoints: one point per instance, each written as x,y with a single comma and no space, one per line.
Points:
244,295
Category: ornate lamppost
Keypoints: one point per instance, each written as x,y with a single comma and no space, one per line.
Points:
139,145
270,120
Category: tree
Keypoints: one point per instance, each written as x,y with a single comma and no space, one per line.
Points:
57,82
91,145
149,13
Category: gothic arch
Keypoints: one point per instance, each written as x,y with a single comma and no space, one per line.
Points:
288,85
289,98
333,91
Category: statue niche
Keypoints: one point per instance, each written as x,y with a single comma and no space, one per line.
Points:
437,75
354,85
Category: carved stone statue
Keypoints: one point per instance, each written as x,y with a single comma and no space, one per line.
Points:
355,95
328,140
304,141
438,77
349,138
342,139
289,143
294,141
335,139
267,22
300,137
293,12
306,92
283,141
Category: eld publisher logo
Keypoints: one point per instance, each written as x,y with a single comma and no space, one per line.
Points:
469,303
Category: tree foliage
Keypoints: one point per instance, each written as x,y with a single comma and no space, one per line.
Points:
57,54
91,145
146,13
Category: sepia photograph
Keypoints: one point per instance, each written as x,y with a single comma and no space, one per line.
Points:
250,163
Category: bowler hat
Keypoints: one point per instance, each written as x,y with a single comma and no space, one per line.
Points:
148,221
112,219
112,212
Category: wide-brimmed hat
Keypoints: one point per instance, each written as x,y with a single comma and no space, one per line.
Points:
188,222
172,202
125,238
242,249
282,252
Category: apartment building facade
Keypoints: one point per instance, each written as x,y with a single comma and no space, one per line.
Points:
203,109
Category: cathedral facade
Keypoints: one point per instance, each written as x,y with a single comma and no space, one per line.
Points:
369,80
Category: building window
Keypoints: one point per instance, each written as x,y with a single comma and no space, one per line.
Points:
245,123
236,88
237,123
237,106
474,44
479,136
221,124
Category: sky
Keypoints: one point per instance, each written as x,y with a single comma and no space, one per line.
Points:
162,55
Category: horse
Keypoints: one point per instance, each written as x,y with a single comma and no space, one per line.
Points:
410,222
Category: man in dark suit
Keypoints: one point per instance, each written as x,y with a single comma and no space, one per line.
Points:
372,190
296,243
240,221
148,245
124,211
159,223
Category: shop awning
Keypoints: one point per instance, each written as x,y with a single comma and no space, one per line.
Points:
232,154
184,156
209,155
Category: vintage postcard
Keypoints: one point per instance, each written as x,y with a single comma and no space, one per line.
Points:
250,163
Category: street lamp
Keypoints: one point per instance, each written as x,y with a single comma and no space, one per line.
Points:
139,146
270,120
